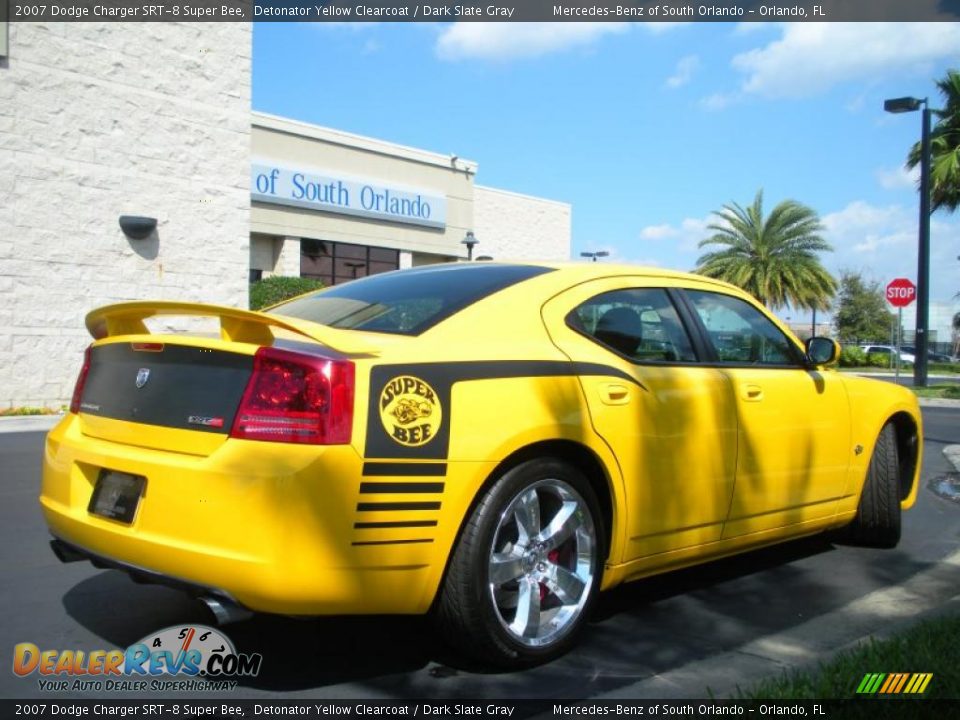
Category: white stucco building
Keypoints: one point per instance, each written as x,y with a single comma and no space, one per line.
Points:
100,120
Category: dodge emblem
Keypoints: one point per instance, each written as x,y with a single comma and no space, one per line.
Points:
143,374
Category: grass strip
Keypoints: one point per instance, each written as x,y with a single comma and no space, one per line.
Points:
932,646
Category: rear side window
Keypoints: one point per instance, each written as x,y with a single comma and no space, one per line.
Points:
405,302
640,324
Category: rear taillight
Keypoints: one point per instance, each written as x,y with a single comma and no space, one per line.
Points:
81,380
296,398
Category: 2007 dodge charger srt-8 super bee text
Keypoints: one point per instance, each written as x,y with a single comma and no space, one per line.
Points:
491,443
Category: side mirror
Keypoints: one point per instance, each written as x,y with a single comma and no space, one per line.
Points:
822,351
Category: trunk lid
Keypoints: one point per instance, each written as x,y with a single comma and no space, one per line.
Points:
180,392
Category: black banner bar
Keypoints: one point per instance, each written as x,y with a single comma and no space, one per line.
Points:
875,707
648,11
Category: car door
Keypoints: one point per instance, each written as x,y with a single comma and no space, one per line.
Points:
670,422
793,442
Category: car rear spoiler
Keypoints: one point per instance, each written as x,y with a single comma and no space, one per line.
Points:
236,325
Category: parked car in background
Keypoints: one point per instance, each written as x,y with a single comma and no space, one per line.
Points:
889,352
931,355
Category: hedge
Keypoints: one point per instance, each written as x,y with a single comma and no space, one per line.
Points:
277,288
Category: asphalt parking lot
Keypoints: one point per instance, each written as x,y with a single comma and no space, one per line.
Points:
640,633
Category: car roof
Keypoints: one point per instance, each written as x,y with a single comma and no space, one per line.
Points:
575,272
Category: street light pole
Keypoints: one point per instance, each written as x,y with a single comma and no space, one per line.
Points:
470,240
923,260
595,255
921,341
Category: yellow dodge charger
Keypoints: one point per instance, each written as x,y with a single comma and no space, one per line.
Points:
491,443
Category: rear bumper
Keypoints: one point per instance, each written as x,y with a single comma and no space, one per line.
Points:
224,607
271,527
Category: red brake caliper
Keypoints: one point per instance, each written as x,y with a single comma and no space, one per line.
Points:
552,556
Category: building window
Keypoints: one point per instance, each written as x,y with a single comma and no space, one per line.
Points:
335,263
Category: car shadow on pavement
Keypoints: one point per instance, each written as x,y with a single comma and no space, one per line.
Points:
298,653
638,629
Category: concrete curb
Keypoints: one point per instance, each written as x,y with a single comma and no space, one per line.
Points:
879,615
28,423
938,402
952,453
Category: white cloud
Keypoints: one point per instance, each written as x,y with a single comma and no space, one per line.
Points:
811,57
898,178
686,66
685,236
658,232
718,101
881,242
878,240
508,41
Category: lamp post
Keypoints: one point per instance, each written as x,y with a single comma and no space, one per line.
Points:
470,241
902,105
595,255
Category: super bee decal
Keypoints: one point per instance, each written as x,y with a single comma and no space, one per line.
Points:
413,401
410,411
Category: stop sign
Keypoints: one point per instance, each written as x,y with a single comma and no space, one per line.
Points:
901,292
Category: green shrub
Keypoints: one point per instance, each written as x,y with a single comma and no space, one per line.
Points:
21,411
880,360
852,356
952,392
277,288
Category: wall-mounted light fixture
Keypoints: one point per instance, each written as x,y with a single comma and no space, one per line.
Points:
137,227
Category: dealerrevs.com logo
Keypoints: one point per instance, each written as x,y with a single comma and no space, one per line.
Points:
178,658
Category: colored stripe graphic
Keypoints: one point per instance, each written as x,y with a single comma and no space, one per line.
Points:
901,682
894,683
888,683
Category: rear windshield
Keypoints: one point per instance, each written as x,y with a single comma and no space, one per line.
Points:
405,302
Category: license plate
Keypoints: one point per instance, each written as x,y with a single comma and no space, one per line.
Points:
117,495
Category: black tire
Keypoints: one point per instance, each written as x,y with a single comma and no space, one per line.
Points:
468,615
877,523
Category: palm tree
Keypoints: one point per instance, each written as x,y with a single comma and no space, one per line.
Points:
944,147
773,258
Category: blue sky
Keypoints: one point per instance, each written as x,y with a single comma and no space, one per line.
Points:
646,129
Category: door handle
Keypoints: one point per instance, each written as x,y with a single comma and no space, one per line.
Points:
614,394
752,393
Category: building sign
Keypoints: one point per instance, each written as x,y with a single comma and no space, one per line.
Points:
337,193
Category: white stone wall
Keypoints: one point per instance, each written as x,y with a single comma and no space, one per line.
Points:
101,120
288,257
510,226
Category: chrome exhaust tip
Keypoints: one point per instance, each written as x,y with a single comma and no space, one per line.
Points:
225,611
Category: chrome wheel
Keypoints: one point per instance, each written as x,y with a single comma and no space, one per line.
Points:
542,560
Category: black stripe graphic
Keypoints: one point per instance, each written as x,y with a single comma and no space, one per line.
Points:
394,524
441,377
379,469
391,542
401,487
375,506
